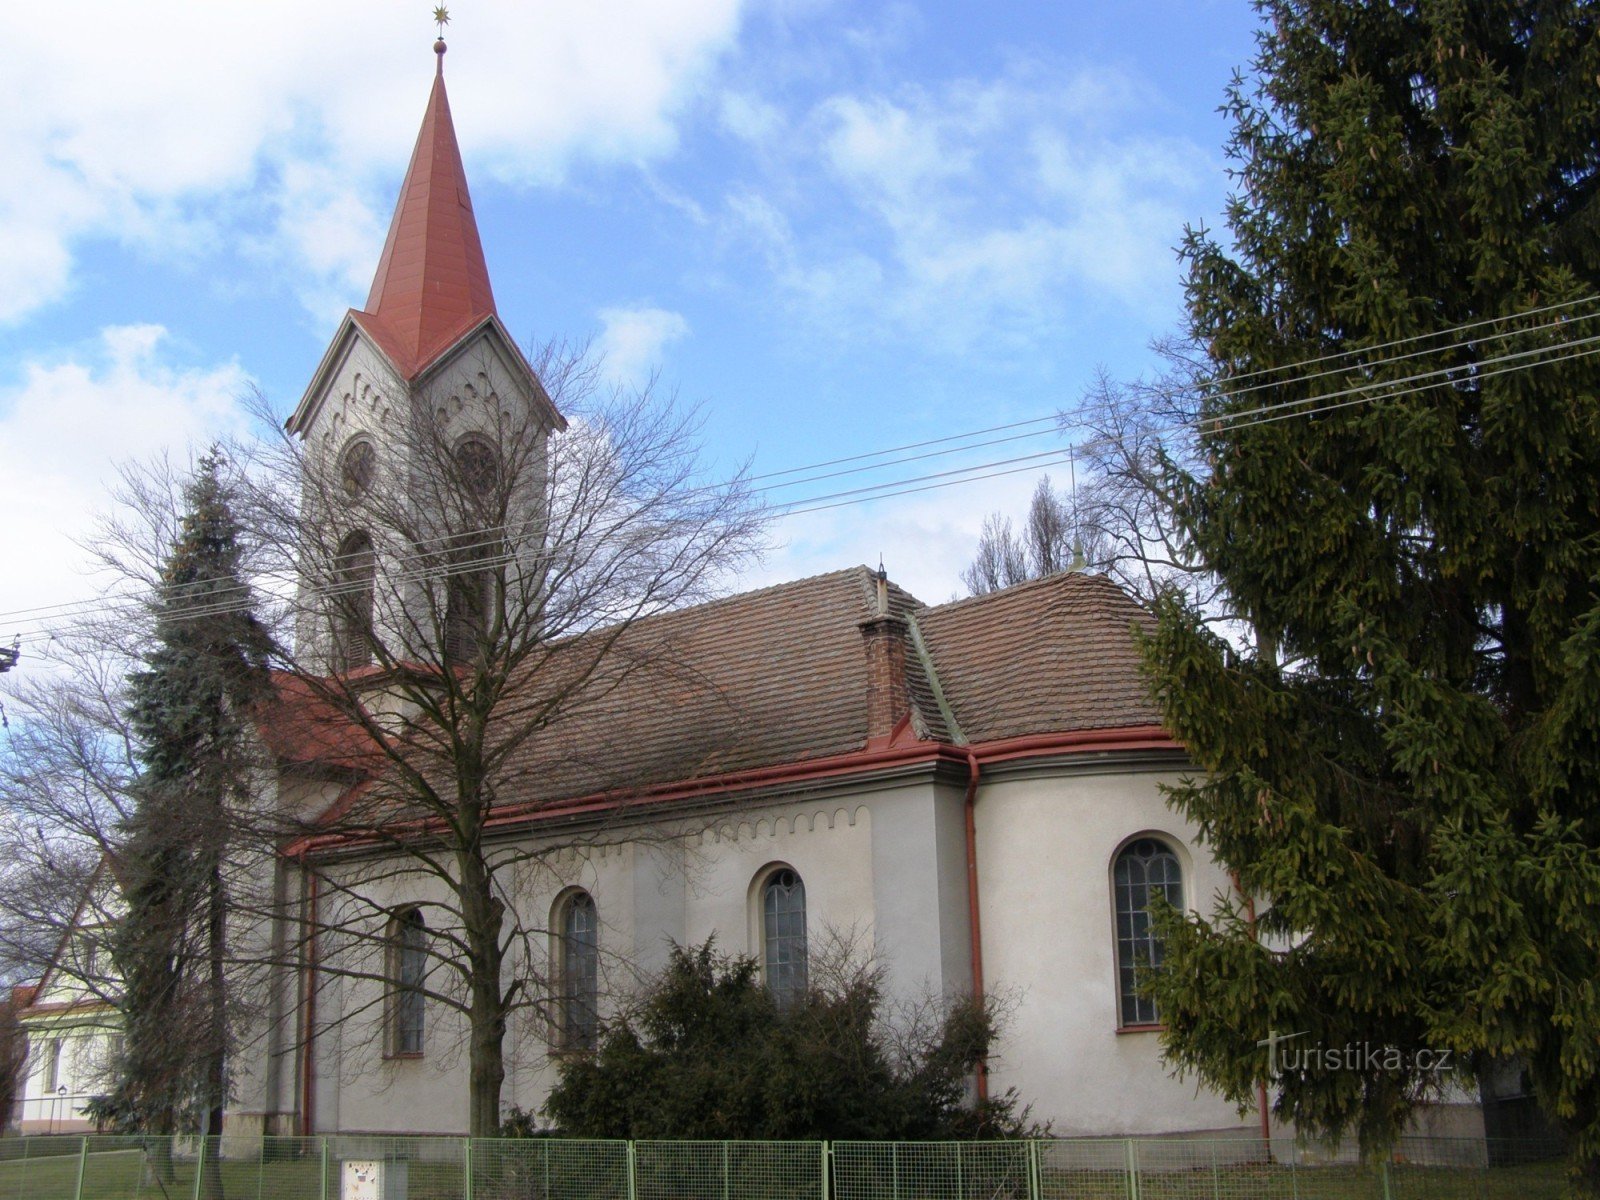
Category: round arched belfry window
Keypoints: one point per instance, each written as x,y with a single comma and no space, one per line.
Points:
358,466
479,463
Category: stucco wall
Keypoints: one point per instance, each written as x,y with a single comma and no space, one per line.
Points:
1045,847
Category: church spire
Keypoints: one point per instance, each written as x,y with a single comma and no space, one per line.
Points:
432,283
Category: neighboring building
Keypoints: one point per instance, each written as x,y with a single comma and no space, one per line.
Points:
73,1033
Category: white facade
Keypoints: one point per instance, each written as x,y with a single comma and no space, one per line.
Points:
884,867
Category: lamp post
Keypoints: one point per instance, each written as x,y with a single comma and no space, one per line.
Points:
55,1106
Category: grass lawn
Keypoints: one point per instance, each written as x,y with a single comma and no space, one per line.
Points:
122,1175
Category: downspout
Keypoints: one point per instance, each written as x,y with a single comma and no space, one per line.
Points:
1261,1085
973,922
308,1045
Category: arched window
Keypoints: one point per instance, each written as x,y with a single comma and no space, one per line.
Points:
355,573
407,970
1144,869
478,464
358,467
783,936
577,973
469,589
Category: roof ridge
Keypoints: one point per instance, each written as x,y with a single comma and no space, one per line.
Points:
1055,578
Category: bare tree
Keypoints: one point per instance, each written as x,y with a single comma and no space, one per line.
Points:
1055,537
473,590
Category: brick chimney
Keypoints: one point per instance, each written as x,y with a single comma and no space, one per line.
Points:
884,637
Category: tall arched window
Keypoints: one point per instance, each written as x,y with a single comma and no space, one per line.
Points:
469,590
577,973
355,573
408,969
783,936
1144,869
470,594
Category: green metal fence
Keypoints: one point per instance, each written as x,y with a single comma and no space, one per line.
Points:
445,1168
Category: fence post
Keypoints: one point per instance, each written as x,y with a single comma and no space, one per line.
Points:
1035,1179
724,1169
199,1166
633,1177
1133,1169
1383,1174
322,1190
827,1162
83,1161
466,1162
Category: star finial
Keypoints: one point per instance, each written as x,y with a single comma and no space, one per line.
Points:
441,18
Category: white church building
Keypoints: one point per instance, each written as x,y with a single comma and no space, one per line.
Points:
972,791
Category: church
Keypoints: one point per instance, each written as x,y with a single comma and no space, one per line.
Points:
969,794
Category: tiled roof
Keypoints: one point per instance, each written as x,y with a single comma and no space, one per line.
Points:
432,283
765,677
1052,656
778,677
301,729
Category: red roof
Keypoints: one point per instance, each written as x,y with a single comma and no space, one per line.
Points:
777,679
432,284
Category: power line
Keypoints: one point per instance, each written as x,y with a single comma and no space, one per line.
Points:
1053,421
493,536
1261,415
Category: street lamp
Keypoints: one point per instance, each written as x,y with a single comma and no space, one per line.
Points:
55,1106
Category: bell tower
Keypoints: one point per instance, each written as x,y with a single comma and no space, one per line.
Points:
424,430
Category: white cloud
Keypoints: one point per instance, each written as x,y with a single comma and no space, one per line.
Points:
925,539
63,428
186,126
749,117
632,339
975,209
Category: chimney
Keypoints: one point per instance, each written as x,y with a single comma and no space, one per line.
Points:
884,637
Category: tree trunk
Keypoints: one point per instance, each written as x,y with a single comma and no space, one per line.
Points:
484,915
216,1082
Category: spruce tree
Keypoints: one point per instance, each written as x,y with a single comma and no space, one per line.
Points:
189,709
1402,767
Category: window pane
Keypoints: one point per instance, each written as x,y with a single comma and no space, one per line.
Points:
411,968
783,904
1145,869
580,974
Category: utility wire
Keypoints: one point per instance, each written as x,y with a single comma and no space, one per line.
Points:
1054,421
1261,415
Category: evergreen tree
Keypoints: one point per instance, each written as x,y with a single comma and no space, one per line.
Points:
188,708
1403,768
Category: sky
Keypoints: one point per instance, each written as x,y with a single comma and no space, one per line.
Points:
834,227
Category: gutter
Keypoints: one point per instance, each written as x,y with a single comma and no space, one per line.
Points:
973,924
1086,741
308,1043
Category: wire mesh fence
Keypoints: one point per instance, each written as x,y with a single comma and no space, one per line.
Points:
380,1167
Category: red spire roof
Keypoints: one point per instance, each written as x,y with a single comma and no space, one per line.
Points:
432,284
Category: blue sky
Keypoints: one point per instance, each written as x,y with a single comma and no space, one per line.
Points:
835,226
